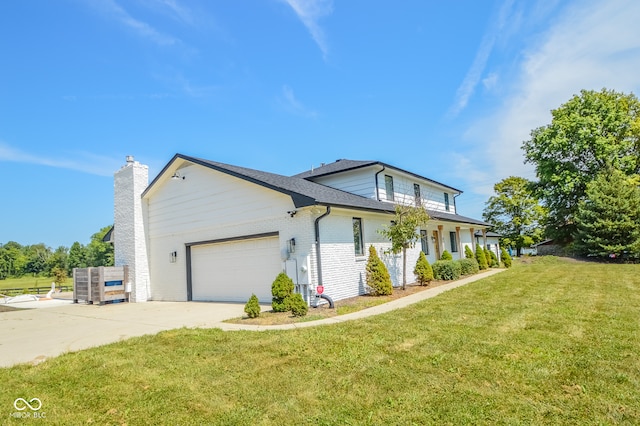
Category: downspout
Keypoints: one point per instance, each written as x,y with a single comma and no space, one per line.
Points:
377,188
318,255
455,208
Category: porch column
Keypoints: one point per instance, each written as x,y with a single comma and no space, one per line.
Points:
473,240
441,239
484,238
460,254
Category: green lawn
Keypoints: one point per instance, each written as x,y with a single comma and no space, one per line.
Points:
28,281
552,342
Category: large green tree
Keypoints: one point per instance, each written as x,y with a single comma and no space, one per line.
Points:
590,133
405,231
515,213
608,219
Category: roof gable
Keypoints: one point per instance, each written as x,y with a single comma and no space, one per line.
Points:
304,192
345,165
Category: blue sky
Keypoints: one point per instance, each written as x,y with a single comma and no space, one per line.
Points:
448,90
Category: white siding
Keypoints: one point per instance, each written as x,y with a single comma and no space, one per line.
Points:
209,205
360,182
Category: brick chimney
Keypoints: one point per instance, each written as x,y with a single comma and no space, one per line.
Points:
130,246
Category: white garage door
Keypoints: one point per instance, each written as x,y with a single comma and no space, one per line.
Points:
232,271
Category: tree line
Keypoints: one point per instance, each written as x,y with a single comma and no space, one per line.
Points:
587,193
18,260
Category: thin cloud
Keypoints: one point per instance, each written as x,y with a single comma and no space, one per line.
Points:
84,162
310,12
471,80
583,49
143,29
289,101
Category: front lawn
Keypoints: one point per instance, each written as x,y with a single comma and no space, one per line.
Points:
551,342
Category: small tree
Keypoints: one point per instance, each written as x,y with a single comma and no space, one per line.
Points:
423,270
281,290
59,276
252,308
404,232
378,278
297,305
506,259
481,258
468,253
487,256
446,256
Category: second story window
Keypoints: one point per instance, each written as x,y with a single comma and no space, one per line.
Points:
388,186
416,194
446,201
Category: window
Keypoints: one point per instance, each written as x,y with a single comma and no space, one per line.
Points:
388,185
424,240
416,193
446,201
454,242
358,243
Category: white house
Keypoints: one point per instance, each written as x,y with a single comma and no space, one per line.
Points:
208,231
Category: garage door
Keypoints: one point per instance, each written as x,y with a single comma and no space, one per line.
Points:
232,271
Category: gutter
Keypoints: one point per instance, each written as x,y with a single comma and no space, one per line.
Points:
378,189
318,256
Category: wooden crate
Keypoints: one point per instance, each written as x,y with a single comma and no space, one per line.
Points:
103,284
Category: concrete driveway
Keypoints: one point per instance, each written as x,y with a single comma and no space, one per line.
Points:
33,335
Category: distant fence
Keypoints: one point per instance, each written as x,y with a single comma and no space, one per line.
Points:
32,290
103,284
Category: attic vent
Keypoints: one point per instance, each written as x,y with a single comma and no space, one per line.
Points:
321,164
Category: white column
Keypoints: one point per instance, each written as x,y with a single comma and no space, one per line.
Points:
130,246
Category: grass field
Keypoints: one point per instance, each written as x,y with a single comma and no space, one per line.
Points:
25,282
551,342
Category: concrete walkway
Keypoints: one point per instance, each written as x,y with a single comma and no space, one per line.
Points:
34,335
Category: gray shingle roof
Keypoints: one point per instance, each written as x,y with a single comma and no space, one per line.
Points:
307,193
344,165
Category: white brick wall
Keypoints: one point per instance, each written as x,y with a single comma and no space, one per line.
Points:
130,246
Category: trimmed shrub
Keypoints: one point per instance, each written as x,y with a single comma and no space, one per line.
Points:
446,270
480,258
468,266
468,253
252,308
506,258
378,278
281,290
492,260
423,270
446,256
297,305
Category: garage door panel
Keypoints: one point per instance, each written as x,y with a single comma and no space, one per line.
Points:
232,271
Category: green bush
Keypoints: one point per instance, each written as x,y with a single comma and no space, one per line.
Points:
494,259
446,256
468,253
506,258
297,305
378,278
480,258
468,266
446,270
423,270
252,308
281,290
487,256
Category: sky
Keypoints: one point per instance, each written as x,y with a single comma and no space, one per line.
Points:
447,90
